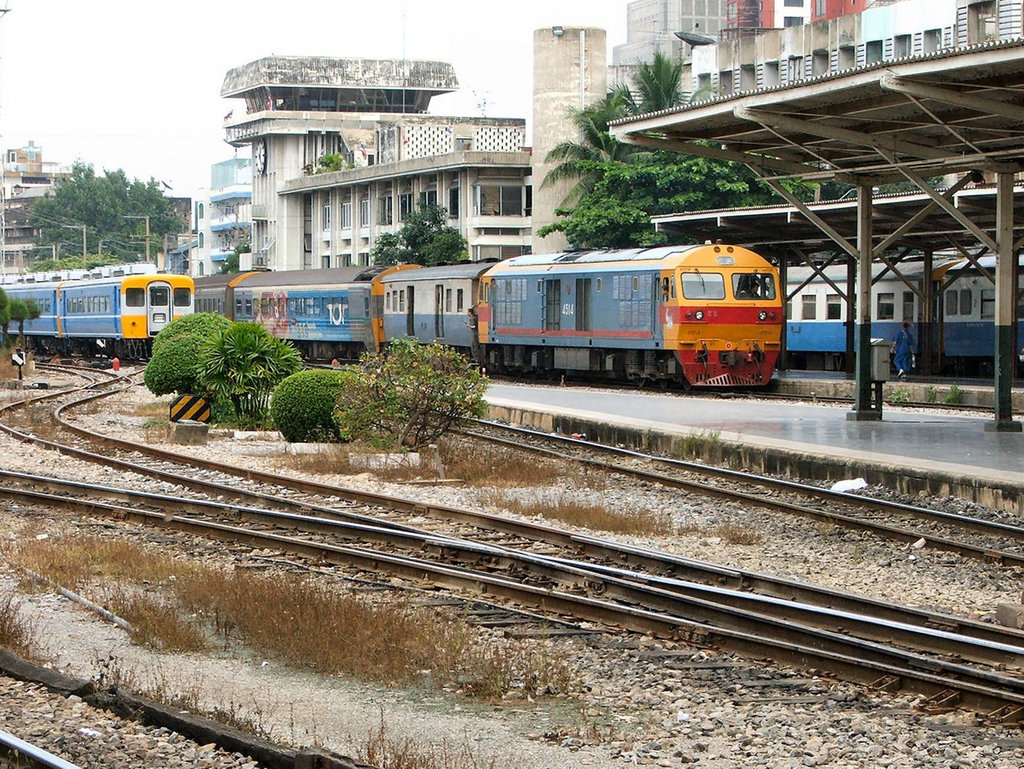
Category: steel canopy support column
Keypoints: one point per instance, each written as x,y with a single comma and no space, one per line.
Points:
1006,297
927,337
863,410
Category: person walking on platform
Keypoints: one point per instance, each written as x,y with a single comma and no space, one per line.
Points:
903,350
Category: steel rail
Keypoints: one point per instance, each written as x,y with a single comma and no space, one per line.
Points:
29,756
1002,697
990,528
719,606
640,557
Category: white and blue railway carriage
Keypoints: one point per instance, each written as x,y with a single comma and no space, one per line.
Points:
434,304
325,313
117,315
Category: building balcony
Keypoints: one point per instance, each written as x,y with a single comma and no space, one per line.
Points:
229,223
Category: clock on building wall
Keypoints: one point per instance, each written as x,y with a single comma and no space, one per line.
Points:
259,156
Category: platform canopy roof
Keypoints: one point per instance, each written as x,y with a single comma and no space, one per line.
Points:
936,114
780,226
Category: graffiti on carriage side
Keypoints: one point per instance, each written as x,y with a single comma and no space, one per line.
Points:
337,313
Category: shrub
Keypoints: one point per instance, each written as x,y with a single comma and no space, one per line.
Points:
243,364
174,367
954,396
411,395
303,405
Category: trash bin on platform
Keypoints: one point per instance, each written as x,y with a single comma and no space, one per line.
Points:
879,360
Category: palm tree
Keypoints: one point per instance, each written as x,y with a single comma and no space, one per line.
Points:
656,86
577,159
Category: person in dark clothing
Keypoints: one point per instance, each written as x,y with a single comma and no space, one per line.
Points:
903,350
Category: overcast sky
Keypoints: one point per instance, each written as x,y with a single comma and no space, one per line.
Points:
135,84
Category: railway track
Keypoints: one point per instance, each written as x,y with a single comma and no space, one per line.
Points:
16,753
651,591
995,540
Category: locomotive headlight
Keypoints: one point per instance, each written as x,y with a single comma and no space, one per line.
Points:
762,315
699,315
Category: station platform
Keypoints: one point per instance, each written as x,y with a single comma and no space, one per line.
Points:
910,450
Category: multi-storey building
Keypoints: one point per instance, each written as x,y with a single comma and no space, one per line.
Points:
651,26
25,169
304,116
884,31
222,216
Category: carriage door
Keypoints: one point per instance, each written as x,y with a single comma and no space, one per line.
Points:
552,305
410,313
158,310
439,311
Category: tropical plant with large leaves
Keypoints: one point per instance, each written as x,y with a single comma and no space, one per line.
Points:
243,364
656,85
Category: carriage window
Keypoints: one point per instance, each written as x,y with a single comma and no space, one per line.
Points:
459,303
908,305
135,297
753,285
809,306
182,297
387,301
401,300
988,303
966,301
448,300
636,283
833,307
951,303
248,305
699,285
886,308
597,284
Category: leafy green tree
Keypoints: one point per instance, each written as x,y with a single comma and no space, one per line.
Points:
175,364
656,85
230,264
617,212
243,364
425,238
20,311
101,205
411,395
303,407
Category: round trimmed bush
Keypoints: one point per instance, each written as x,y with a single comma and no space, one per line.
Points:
303,405
174,367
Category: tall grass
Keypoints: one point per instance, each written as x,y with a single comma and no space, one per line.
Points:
564,507
17,633
176,605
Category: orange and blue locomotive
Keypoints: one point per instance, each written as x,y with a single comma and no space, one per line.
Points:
702,316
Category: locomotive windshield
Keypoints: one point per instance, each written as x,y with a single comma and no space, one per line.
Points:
756,285
699,285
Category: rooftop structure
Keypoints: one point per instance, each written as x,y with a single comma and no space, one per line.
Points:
312,83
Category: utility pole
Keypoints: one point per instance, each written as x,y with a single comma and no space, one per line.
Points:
146,217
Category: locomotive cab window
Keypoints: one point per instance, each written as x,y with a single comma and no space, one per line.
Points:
135,297
700,285
754,285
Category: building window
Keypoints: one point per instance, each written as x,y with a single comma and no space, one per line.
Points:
202,240
428,198
873,52
453,202
202,211
345,212
325,218
404,205
794,3
809,307
792,21
364,212
501,200
901,46
886,306
384,213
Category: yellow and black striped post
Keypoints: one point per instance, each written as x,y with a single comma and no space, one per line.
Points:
190,407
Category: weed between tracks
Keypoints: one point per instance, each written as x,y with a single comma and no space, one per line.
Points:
560,506
176,605
17,634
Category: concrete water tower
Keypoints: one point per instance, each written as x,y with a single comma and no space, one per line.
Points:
569,70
